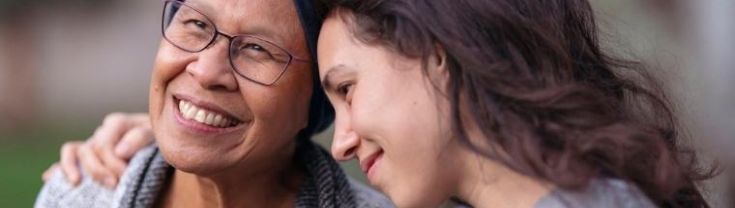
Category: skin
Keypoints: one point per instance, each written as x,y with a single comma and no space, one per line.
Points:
250,163
393,118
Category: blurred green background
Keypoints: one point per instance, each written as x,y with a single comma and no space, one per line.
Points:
66,64
23,156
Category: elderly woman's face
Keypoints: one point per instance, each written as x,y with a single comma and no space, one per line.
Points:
206,117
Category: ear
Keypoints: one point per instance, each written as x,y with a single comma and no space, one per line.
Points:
437,67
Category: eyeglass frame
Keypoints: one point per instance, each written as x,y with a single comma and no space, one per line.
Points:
218,33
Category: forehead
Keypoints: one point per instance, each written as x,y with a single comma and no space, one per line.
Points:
272,19
337,45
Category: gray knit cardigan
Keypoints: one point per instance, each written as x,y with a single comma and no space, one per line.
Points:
141,184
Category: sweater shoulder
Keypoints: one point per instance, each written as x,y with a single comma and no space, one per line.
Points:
58,192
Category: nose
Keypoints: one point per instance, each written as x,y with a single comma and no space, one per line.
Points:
212,69
346,141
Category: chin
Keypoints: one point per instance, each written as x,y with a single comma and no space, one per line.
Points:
198,164
195,159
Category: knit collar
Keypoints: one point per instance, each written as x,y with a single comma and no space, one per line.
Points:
324,185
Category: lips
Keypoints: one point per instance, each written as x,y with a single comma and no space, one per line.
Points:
203,116
368,164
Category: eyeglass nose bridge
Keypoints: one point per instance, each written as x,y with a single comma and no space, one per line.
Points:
231,44
217,33
230,39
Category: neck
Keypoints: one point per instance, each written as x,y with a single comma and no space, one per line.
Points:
273,186
488,183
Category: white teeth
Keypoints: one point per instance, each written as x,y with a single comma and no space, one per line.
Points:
192,112
200,116
186,106
218,121
209,119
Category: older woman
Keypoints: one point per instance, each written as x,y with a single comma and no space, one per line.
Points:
233,102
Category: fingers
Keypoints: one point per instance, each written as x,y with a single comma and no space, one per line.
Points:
112,129
102,144
133,141
111,161
47,174
69,162
101,155
92,164
141,120
118,127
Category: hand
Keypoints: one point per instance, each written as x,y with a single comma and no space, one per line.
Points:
106,153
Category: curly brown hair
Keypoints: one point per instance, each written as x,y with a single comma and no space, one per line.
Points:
534,78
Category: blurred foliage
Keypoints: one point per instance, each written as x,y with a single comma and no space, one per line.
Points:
20,177
24,156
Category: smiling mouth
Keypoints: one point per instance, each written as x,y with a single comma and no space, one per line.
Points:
204,116
369,163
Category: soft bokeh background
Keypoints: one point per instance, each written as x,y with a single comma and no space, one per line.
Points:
65,64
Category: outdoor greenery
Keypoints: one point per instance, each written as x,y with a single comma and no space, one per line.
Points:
24,156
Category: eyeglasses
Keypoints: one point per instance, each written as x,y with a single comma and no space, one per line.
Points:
253,58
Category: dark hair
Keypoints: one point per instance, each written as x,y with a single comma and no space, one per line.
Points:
533,77
321,114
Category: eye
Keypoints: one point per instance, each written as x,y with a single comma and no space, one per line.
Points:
255,51
344,90
252,46
197,23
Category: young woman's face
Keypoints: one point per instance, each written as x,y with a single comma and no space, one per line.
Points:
189,91
389,116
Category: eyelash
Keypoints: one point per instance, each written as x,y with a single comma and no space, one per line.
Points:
343,89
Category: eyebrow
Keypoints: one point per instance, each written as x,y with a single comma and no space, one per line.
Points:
264,32
327,80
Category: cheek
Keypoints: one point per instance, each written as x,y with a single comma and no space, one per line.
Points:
409,116
168,64
411,127
282,108
401,123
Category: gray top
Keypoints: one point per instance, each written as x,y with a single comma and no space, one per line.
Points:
601,193
142,181
57,192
